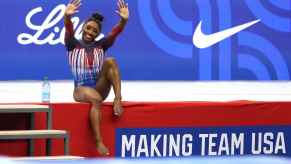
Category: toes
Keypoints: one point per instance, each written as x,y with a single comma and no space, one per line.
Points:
102,150
118,111
117,108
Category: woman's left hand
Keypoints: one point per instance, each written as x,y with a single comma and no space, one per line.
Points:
122,11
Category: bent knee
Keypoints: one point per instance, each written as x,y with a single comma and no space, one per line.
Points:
87,95
95,100
111,62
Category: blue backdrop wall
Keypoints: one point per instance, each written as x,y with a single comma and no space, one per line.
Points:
157,43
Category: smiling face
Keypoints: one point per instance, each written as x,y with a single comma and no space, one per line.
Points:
90,31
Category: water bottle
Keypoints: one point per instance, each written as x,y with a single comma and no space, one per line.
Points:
45,96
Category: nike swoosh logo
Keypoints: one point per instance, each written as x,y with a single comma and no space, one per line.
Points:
201,40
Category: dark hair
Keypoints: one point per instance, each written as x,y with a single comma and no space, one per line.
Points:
96,17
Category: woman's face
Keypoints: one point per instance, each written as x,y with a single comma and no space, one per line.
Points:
90,31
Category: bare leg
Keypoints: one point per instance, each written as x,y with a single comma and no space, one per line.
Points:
110,76
86,94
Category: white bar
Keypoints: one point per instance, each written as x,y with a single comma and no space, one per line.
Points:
23,106
30,132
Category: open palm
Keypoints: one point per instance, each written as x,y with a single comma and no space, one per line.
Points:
72,7
122,11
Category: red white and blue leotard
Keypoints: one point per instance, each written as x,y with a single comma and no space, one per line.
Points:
86,60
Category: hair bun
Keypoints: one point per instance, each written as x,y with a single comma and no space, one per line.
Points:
97,16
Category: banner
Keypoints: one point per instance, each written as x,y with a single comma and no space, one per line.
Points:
185,142
163,40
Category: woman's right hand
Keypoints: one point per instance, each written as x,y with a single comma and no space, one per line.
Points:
72,7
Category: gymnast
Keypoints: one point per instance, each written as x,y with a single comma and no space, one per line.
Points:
93,73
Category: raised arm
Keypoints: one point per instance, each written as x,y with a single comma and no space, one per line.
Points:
123,12
71,9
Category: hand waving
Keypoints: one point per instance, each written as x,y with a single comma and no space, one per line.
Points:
72,7
122,11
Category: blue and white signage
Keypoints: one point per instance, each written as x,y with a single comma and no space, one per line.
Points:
164,39
185,142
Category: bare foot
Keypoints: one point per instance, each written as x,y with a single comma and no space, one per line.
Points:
117,108
102,149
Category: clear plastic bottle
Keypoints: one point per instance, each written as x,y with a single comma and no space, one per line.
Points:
46,88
